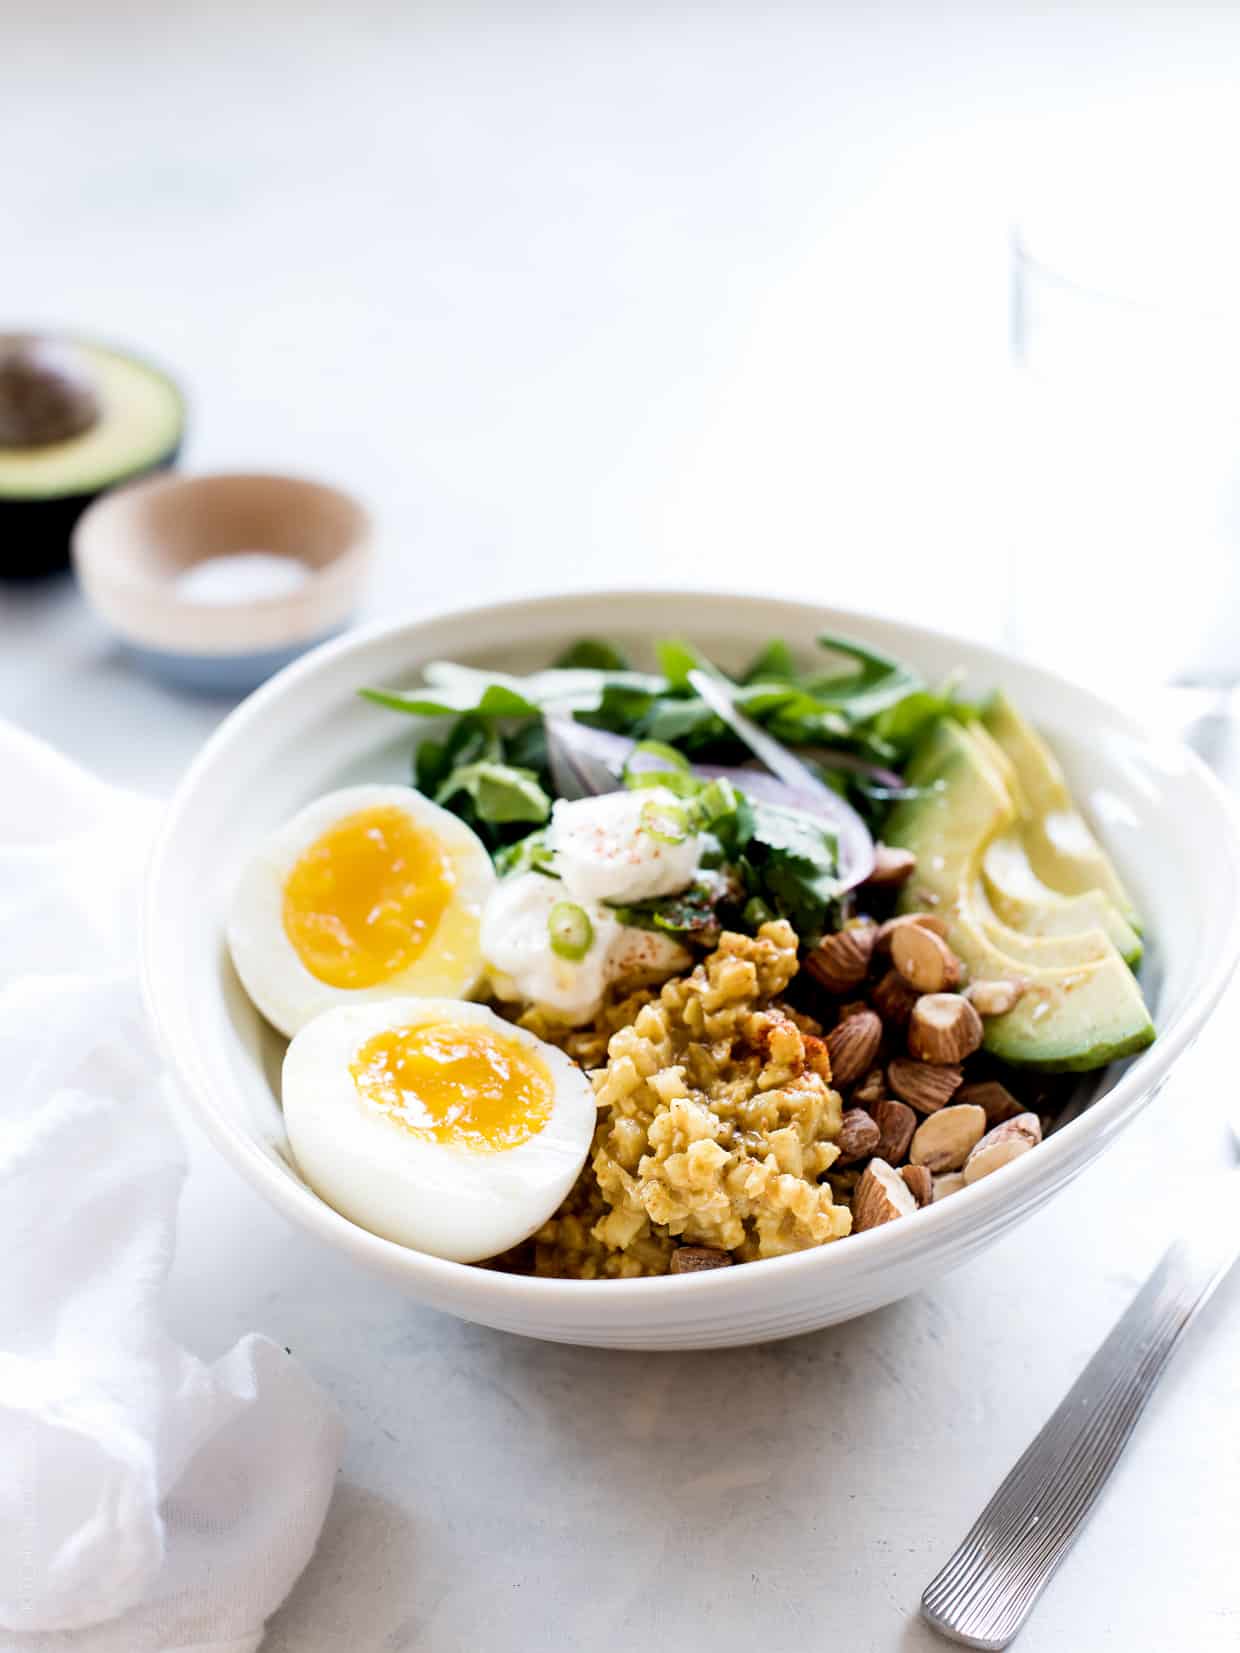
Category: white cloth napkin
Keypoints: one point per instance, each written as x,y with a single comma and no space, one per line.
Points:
149,1501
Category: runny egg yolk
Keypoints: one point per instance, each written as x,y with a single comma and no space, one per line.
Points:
463,1086
361,904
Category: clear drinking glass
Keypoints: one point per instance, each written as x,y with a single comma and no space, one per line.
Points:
1125,541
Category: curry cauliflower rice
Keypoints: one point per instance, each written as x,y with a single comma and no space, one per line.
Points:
716,1120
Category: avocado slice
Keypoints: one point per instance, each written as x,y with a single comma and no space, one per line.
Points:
1073,1017
1081,943
1062,850
1020,899
75,418
1017,895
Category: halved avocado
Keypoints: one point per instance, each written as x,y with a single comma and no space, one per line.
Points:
1063,852
1075,1016
75,418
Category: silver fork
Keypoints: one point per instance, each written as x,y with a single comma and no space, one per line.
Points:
988,1588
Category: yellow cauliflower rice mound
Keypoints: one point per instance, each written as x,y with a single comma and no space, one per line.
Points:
716,1120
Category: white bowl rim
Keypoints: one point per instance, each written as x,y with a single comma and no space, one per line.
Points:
480,1292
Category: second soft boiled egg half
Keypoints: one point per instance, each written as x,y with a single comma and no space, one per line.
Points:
435,1123
367,893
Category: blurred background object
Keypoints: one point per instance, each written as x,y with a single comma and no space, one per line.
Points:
1126,454
567,296
76,419
215,582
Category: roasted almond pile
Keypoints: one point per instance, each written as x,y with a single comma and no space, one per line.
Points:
924,1114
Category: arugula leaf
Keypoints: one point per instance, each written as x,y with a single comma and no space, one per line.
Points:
689,722
676,660
496,700
774,664
526,747
500,792
593,653
622,710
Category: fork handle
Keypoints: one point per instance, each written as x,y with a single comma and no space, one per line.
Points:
988,1588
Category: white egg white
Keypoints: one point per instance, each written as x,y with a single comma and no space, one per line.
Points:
272,973
446,1200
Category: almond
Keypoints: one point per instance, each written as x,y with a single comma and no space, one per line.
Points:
872,1089
896,1124
858,1137
945,1140
923,1085
696,1259
881,1196
951,1182
840,961
994,998
919,1182
853,1045
1001,1146
924,921
995,1099
891,867
893,998
944,1027
924,959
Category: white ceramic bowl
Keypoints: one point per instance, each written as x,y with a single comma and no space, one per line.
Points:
1161,813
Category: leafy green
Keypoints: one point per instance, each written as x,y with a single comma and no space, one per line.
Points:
791,861
594,653
692,912
621,709
529,854
853,708
676,660
774,664
500,792
496,700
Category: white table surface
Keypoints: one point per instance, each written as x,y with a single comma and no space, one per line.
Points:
587,295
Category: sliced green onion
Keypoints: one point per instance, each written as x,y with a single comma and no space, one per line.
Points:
671,780
570,930
660,749
714,801
669,823
673,769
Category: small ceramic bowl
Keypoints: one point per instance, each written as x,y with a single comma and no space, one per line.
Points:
1167,821
136,551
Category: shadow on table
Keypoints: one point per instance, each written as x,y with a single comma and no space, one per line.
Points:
744,1489
367,1545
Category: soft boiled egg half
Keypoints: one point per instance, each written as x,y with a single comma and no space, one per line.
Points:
367,893
436,1124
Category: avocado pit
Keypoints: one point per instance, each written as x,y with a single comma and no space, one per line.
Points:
47,392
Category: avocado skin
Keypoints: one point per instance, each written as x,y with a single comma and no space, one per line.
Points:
35,533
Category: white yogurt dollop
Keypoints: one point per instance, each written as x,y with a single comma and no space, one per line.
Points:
603,851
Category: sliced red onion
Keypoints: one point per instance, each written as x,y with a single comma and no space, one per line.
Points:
585,762
829,758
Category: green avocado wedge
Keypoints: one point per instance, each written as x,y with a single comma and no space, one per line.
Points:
1017,895
1073,1016
1062,850
1020,899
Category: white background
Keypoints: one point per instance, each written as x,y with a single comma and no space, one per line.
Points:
626,294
